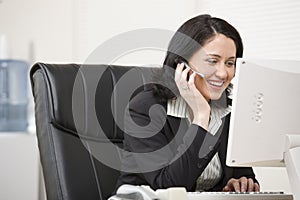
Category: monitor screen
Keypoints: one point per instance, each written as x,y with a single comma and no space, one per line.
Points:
265,118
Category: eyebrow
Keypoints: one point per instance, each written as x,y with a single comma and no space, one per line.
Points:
216,55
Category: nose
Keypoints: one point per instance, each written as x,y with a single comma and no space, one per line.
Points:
221,71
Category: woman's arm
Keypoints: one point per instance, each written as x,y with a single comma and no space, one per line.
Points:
163,161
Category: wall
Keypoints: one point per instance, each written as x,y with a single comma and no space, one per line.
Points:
69,30
38,30
96,22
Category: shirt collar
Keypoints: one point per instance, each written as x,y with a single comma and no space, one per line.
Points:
178,107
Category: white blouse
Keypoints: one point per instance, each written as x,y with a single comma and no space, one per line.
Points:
213,172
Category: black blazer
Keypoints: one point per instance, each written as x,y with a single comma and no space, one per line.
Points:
163,151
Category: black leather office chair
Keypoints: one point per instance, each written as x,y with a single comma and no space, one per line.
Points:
79,159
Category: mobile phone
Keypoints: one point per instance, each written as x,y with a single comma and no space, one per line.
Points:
187,66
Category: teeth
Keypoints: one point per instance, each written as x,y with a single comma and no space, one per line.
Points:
216,83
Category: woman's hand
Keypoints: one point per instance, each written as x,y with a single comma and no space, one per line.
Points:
200,109
241,185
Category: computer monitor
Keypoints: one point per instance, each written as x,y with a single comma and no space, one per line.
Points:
265,119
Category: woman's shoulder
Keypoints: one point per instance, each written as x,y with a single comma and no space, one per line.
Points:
146,98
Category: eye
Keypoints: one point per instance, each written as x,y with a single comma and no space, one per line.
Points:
211,61
230,63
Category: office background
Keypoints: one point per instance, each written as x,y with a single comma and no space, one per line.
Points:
64,31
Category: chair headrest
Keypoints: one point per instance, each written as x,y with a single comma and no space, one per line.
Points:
90,100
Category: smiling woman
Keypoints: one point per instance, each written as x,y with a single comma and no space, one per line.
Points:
193,111
216,60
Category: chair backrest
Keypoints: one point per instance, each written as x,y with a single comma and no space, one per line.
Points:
79,116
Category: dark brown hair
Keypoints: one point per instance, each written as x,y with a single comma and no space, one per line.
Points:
189,38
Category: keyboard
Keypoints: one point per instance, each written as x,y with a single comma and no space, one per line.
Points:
239,196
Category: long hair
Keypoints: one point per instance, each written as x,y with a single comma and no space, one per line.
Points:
188,39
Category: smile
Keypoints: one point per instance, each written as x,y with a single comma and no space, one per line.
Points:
216,83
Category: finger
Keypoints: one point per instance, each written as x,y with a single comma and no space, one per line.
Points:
256,187
178,71
230,185
250,185
191,81
182,82
192,78
243,182
236,186
184,74
226,188
179,67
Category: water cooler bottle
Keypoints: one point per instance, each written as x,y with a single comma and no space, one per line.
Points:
13,95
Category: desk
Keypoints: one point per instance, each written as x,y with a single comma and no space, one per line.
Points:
19,168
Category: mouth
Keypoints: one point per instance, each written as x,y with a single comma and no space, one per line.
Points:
216,84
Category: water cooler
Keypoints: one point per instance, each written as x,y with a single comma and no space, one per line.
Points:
13,95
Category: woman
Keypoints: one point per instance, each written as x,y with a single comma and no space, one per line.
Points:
176,131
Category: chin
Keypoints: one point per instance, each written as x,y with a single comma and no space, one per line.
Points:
215,96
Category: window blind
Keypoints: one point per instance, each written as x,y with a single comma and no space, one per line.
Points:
269,28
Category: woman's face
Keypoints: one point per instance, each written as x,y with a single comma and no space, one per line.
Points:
216,61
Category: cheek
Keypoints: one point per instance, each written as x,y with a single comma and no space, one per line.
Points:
199,82
231,73
201,86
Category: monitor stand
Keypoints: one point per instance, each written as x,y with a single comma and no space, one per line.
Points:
292,163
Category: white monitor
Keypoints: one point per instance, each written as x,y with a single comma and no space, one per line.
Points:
265,118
